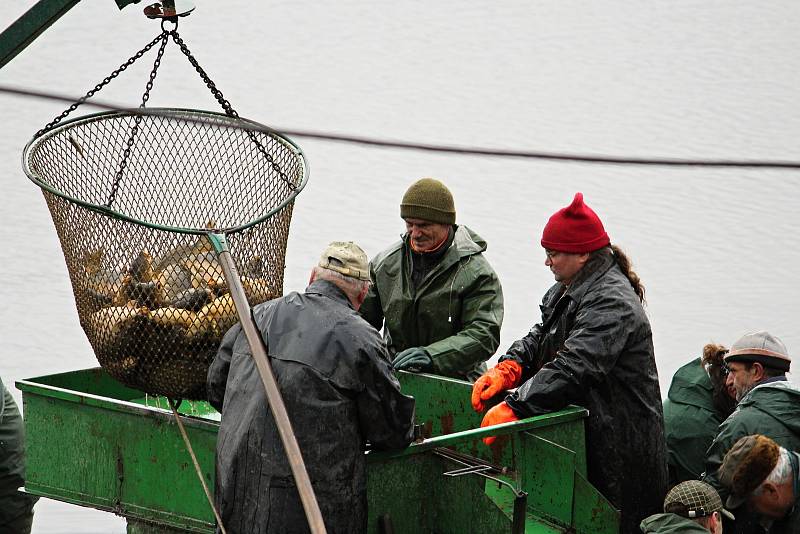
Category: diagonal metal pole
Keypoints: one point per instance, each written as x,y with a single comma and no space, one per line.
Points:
259,350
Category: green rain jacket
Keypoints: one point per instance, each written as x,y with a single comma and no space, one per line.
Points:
670,524
16,508
771,409
791,523
690,421
455,314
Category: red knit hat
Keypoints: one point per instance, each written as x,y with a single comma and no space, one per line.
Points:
575,229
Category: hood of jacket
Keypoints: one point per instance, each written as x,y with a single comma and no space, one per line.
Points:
779,400
691,385
670,524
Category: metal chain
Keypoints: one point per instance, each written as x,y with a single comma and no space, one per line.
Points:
226,106
137,120
100,85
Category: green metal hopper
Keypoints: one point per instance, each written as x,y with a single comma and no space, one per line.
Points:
94,442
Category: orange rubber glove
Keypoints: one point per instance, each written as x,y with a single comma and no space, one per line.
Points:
505,375
502,413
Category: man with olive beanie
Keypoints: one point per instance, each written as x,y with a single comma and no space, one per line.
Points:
594,348
437,298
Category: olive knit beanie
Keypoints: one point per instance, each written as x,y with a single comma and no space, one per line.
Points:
430,200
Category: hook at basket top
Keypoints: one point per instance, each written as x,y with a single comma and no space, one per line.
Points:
183,169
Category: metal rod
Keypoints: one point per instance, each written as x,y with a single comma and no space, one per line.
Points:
278,408
520,506
196,464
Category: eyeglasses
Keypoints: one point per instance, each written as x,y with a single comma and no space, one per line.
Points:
552,254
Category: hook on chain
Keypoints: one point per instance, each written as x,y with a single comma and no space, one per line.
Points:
173,20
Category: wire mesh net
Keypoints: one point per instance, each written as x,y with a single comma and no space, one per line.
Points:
151,295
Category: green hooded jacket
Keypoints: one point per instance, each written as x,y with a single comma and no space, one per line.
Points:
455,314
16,508
771,409
670,524
690,421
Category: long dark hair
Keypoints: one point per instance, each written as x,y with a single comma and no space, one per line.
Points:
715,365
624,263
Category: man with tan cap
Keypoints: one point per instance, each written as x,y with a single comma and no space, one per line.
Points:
759,472
768,403
434,293
333,371
689,507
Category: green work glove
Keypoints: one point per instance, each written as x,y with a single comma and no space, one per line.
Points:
415,359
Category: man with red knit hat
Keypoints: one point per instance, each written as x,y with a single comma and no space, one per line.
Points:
593,348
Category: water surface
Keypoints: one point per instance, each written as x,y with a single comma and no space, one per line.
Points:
716,249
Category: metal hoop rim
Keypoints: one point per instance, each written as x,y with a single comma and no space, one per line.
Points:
164,112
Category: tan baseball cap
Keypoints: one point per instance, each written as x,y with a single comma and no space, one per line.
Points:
694,498
760,347
347,258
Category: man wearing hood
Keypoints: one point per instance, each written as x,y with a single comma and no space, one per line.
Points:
698,400
434,293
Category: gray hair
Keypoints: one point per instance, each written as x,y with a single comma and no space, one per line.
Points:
780,474
352,287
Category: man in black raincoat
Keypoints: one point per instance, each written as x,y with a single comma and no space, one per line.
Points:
593,348
334,373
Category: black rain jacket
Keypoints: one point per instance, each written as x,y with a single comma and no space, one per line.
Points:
332,369
594,348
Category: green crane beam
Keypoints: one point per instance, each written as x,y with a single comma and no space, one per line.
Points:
33,22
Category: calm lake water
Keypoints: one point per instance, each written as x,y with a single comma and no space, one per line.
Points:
716,248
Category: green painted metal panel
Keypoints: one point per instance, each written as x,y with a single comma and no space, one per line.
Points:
543,465
94,442
593,513
129,460
30,25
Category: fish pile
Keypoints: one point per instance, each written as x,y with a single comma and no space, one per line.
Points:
157,324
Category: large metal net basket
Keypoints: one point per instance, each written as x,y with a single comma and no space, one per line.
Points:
151,295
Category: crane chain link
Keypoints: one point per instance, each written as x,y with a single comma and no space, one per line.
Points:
226,106
163,37
100,85
137,120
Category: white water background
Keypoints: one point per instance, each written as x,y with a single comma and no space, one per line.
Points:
716,248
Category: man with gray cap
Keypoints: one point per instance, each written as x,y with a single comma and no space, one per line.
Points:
690,507
759,472
768,403
434,293
333,372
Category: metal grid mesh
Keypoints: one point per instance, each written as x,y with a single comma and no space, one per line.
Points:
150,294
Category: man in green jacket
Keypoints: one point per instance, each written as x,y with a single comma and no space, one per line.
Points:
16,508
690,507
766,476
768,405
434,293
697,402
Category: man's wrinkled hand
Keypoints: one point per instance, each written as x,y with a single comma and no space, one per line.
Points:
502,413
505,375
415,359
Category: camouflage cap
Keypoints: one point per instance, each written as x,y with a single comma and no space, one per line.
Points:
693,499
347,258
746,465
